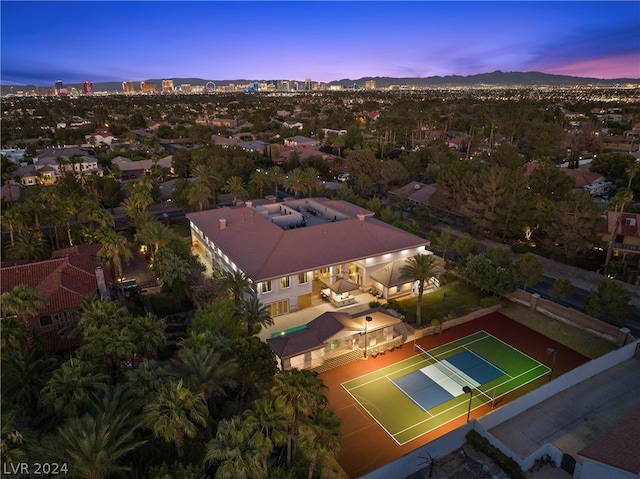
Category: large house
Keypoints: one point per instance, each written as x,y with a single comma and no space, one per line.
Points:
296,250
63,281
51,163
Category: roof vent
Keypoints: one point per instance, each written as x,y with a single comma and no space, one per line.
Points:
223,223
248,204
360,217
416,186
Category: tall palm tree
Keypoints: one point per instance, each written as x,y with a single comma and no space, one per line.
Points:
311,180
303,394
175,412
14,219
198,195
238,284
172,269
269,422
622,197
149,335
115,250
208,176
321,437
235,186
71,387
205,373
295,182
260,179
632,172
24,374
29,245
253,312
237,455
420,269
23,302
276,174
93,446
154,235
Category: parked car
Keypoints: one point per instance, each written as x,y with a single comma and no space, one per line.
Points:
343,177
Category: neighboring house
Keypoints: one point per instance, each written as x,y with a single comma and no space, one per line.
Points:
51,163
142,167
332,334
416,193
14,155
63,281
615,452
298,140
627,237
101,136
293,124
292,250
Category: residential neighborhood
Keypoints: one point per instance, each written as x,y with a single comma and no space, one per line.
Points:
363,266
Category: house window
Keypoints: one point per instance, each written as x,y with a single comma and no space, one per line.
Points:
267,287
302,278
278,308
629,221
46,321
285,282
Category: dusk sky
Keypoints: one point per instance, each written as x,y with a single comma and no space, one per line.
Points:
331,40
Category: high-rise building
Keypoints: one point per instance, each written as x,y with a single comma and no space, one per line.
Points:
370,85
167,86
307,84
147,87
185,88
58,87
87,87
128,87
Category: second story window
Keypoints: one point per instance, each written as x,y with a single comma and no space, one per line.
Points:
285,282
302,278
266,287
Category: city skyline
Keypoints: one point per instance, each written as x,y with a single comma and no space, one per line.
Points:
324,41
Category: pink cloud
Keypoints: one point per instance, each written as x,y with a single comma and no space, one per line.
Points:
621,66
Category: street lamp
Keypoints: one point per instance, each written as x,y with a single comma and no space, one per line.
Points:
368,319
469,391
552,352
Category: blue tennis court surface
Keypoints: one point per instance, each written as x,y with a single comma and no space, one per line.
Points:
421,389
475,366
437,383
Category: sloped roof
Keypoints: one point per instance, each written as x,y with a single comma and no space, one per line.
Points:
582,178
62,281
263,250
342,286
416,192
624,229
618,446
327,327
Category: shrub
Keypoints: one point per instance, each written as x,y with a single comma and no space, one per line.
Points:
510,467
520,248
394,304
374,304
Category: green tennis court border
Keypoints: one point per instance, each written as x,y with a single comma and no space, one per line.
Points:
404,421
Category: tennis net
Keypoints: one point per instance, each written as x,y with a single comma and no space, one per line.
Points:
452,373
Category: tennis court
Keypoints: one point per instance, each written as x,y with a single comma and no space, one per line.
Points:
423,392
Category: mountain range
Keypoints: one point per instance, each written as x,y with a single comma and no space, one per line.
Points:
496,78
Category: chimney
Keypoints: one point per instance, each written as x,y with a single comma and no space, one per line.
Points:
223,223
248,204
102,285
361,217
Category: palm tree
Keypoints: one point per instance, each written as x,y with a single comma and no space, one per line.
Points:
268,420
253,312
237,283
420,269
622,197
276,174
92,446
295,182
206,373
173,270
29,245
632,172
311,180
154,235
174,413
209,177
23,302
149,335
321,437
71,387
198,195
115,250
14,219
260,180
24,374
235,452
302,391
235,186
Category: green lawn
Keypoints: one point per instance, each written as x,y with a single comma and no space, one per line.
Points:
461,299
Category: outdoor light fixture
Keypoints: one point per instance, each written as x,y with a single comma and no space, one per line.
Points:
368,319
469,391
552,352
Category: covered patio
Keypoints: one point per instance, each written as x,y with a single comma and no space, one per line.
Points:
338,293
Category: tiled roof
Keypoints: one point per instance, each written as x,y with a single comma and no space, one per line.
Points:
62,281
263,250
618,446
327,327
626,227
582,178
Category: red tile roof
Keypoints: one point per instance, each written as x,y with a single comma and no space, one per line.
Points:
582,178
618,446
